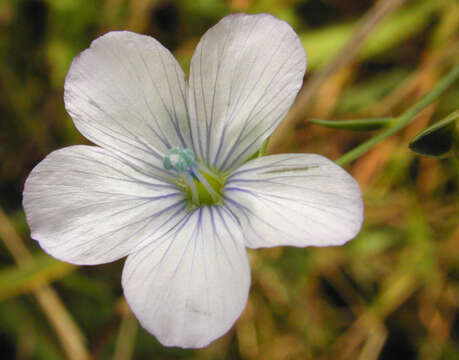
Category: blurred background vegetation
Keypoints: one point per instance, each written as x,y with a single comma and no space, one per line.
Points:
392,293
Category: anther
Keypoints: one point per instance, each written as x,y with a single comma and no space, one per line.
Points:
178,159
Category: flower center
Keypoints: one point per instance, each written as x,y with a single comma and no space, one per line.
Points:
200,185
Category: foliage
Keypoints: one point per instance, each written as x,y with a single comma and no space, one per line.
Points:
390,293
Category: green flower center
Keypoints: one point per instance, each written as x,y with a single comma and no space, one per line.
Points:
200,185
209,192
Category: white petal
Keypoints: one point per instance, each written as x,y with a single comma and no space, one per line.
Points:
294,199
127,93
189,288
85,205
244,76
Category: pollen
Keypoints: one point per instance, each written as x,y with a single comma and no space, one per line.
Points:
179,160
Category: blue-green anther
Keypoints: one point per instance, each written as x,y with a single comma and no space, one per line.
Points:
179,159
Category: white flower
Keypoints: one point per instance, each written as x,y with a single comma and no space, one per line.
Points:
170,185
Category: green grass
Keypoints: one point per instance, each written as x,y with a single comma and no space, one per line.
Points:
391,293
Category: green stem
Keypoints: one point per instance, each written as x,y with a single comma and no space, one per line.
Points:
403,120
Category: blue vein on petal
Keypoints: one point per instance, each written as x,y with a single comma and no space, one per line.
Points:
164,140
226,124
238,107
238,140
151,216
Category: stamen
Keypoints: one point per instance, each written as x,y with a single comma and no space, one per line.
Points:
207,171
200,185
206,185
193,188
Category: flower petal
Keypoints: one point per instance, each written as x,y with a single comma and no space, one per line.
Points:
127,93
189,288
85,205
294,199
244,76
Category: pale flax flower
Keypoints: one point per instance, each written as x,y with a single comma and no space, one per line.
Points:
170,184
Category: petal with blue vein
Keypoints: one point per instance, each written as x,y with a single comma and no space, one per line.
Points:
126,92
245,73
294,199
189,288
85,205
